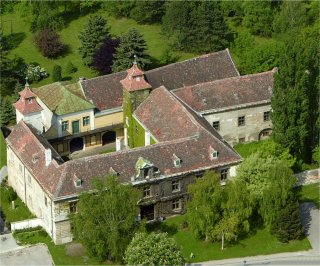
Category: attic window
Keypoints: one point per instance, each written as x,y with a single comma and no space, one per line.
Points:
30,100
137,78
213,153
35,158
78,182
176,161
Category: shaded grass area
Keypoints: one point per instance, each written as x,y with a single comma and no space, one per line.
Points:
19,213
22,41
58,252
309,193
260,242
3,151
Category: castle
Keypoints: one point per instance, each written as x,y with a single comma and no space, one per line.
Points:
168,126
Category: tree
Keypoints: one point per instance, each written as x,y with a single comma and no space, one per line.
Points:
56,73
7,112
258,17
48,42
119,8
153,249
131,44
196,26
204,211
287,225
103,58
95,32
148,11
295,101
106,228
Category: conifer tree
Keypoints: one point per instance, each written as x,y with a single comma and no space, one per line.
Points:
92,38
56,73
7,112
295,95
131,44
288,225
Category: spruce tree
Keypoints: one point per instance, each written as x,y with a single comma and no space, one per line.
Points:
288,225
92,38
7,112
131,44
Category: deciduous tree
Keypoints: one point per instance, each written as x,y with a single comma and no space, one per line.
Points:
105,219
48,42
153,249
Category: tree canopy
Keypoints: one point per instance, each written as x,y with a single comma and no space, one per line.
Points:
104,223
153,249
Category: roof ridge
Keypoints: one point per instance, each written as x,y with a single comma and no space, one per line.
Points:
225,79
109,75
183,61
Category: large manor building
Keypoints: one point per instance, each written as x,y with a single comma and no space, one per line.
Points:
168,126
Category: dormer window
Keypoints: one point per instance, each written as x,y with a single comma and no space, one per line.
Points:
213,153
176,160
145,169
138,78
30,100
78,182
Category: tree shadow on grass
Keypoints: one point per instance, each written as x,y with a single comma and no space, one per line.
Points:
160,227
15,39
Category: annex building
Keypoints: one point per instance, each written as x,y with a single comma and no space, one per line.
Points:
168,126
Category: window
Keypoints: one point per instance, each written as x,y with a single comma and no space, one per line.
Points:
147,192
65,125
60,147
30,100
241,121
86,121
45,201
177,163
266,116
176,204
73,207
223,174
216,125
214,154
175,185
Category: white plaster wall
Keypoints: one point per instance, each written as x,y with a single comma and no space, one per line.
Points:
229,128
34,119
19,116
48,118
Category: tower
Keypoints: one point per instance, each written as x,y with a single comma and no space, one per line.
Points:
28,109
135,90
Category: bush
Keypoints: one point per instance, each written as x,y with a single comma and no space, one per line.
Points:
48,42
70,68
56,73
35,72
12,195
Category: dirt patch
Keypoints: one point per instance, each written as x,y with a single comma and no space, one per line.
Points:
75,250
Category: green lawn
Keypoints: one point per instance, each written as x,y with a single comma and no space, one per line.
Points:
26,49
58,252
3,151
260,242
246,149
310,193
19,213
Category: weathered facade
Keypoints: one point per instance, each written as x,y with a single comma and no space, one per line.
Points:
166,140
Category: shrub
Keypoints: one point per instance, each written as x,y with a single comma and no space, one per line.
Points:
56,73
70,68
12,195
35,72
48,42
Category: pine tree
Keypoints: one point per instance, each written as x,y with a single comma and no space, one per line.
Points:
131,44
92,38
7,112
288,225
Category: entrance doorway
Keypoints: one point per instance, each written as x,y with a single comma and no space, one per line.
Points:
108,137
147,212
76,144
75,127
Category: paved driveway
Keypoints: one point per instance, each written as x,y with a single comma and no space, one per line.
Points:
311,222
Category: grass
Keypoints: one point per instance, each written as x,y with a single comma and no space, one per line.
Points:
24,47
3,151
260,242
113,149
19,213
58,252
310,193
246,149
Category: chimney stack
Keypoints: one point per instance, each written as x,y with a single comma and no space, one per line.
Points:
48,156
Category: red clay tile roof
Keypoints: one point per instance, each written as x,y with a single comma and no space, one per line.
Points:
26,106
105,92
30,147
230,92
27,93
165,117
135,80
